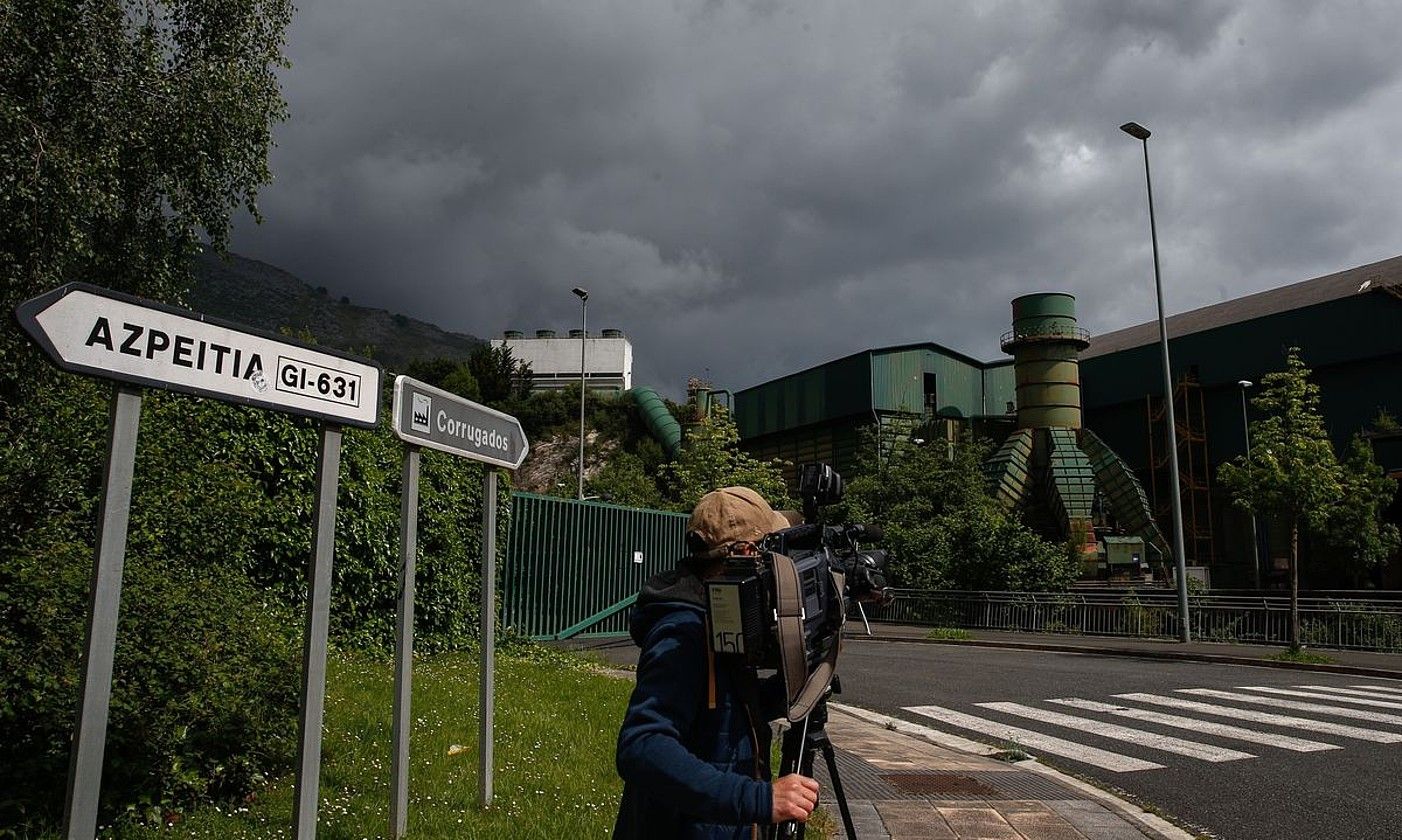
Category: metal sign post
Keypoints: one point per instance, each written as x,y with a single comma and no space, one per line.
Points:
98,332
328,470
90,735
486,678
404,643
426,416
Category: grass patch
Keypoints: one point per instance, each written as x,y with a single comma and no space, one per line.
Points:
948,633
555,725
823,825
1308,657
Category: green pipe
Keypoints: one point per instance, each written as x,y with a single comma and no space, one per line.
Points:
659,421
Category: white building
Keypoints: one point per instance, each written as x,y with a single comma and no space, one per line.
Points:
554,360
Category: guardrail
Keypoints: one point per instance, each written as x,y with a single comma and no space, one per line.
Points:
1353,624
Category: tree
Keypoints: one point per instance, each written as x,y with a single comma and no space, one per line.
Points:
500,375
625,480
128,129
447,374
1293,472
712,458
1355,535
944,530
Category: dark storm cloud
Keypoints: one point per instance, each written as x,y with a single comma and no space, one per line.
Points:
759,187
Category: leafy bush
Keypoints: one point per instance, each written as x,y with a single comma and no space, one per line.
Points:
204,695
206,679
943,529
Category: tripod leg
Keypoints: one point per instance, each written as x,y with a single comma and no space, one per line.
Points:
830,756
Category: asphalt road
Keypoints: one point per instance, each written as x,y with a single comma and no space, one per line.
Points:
1292,781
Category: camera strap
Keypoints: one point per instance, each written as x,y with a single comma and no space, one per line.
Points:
802,689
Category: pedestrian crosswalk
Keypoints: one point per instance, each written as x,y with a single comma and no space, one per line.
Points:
1179,721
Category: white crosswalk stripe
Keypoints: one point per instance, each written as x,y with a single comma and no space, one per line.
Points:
1297,705
1036,740
1316,695
1206,727
1308,724
1352,692
1153,740
1168,717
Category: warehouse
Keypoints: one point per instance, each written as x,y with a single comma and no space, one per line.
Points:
1348,326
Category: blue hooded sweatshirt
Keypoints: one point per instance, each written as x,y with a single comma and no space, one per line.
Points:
692,756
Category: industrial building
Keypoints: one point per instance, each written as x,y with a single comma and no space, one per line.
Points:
555,361
1348,326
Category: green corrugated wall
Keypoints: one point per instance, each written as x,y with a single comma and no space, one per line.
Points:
568,560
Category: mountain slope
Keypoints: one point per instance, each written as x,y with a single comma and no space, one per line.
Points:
261,295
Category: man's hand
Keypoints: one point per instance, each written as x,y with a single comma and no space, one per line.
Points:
795,797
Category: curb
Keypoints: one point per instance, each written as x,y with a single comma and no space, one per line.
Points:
1144,820
1220,659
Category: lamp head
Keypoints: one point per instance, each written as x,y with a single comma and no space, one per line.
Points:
580,293
1245,383
1135,130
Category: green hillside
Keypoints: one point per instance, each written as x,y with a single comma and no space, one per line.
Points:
261,295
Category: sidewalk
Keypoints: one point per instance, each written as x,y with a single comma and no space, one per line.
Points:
1363,663
901,786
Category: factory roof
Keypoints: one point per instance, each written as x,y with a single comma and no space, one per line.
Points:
1365,279
893,348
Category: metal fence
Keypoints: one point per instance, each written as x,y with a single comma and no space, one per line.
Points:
1331,622
573,568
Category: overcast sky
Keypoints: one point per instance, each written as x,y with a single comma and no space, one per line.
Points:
757,187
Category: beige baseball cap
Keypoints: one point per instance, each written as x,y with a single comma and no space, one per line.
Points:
733,514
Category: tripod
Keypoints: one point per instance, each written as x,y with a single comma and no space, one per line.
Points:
801,744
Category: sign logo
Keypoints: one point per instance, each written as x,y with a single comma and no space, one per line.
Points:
423,407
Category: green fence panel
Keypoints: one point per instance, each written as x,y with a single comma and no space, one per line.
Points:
568,562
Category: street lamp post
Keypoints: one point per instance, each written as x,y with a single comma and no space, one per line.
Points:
583,342
1141,134
1255,540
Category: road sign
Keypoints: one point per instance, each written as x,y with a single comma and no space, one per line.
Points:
86,329
428,416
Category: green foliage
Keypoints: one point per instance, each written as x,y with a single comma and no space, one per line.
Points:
1355,539
948,633
129,131
205,683
1294,474
126,129
711,457
625,480
199,710
943,529
1293,471
1307,657
498,374
556,723
1385,422
448,374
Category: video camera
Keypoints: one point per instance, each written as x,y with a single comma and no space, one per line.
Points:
744,600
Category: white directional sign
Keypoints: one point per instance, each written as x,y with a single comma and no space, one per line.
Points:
428,416
103,333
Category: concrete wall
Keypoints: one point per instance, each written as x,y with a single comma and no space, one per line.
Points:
555,361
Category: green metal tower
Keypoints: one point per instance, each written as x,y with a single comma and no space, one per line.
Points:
1060,475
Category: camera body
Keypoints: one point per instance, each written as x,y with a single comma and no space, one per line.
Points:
831,566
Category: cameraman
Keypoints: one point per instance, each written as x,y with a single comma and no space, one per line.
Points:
693,750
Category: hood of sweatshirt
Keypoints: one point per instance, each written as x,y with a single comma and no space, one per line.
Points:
677,588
